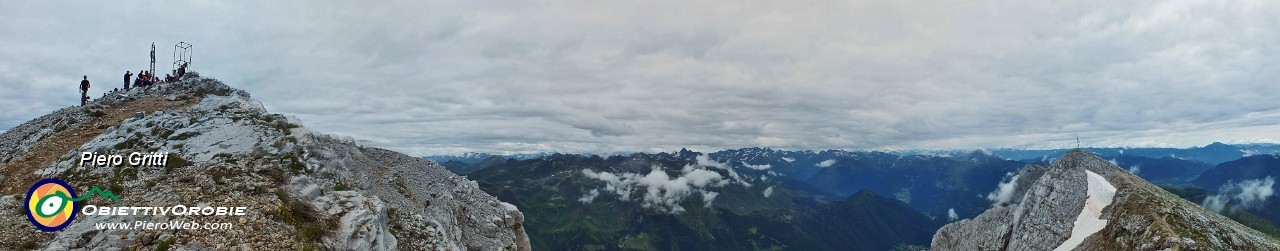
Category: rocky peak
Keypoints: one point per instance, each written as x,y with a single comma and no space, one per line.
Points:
1048,200
302,189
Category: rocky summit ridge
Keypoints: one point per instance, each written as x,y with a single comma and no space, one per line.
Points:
1043,203
303,190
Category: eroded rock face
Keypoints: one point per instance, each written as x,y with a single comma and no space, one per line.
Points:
1140,217
987,231
1041,219
444,211
1044,218
362,221
303,189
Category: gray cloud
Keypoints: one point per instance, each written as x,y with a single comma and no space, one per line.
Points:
448,77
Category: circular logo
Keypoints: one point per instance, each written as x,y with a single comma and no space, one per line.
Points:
50,206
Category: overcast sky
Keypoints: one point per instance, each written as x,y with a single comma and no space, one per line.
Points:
431,77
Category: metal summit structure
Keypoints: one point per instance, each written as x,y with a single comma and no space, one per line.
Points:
153,58
181,54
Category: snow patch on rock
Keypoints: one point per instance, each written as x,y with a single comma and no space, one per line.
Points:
1090,220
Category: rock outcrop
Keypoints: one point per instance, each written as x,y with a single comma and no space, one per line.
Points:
1141,216
303,190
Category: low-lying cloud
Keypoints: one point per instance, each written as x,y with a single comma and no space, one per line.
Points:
1004,191
757,167
1248,194
590,196
662,192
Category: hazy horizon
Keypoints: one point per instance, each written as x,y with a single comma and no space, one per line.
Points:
937,150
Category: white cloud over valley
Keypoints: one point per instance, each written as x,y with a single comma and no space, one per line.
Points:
1004,191
662,192
1248,194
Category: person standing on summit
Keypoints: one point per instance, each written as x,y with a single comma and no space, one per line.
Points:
127,75
84,90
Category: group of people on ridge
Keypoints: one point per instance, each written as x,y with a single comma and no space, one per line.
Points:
144,79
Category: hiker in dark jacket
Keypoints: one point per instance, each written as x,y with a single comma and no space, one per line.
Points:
146,78
127,76
84,90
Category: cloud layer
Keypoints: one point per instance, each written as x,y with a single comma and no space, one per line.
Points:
1248,194
439,77
660,191
1004,191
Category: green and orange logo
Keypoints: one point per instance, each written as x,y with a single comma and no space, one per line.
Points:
51,203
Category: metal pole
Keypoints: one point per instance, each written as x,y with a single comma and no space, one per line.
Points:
153,58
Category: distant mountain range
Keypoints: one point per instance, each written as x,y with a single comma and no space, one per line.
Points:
1245,189
1161,170
688,201
472,157
758,198
1214,153
1247,168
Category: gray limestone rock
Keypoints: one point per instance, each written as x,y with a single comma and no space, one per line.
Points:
238,154
1140,217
